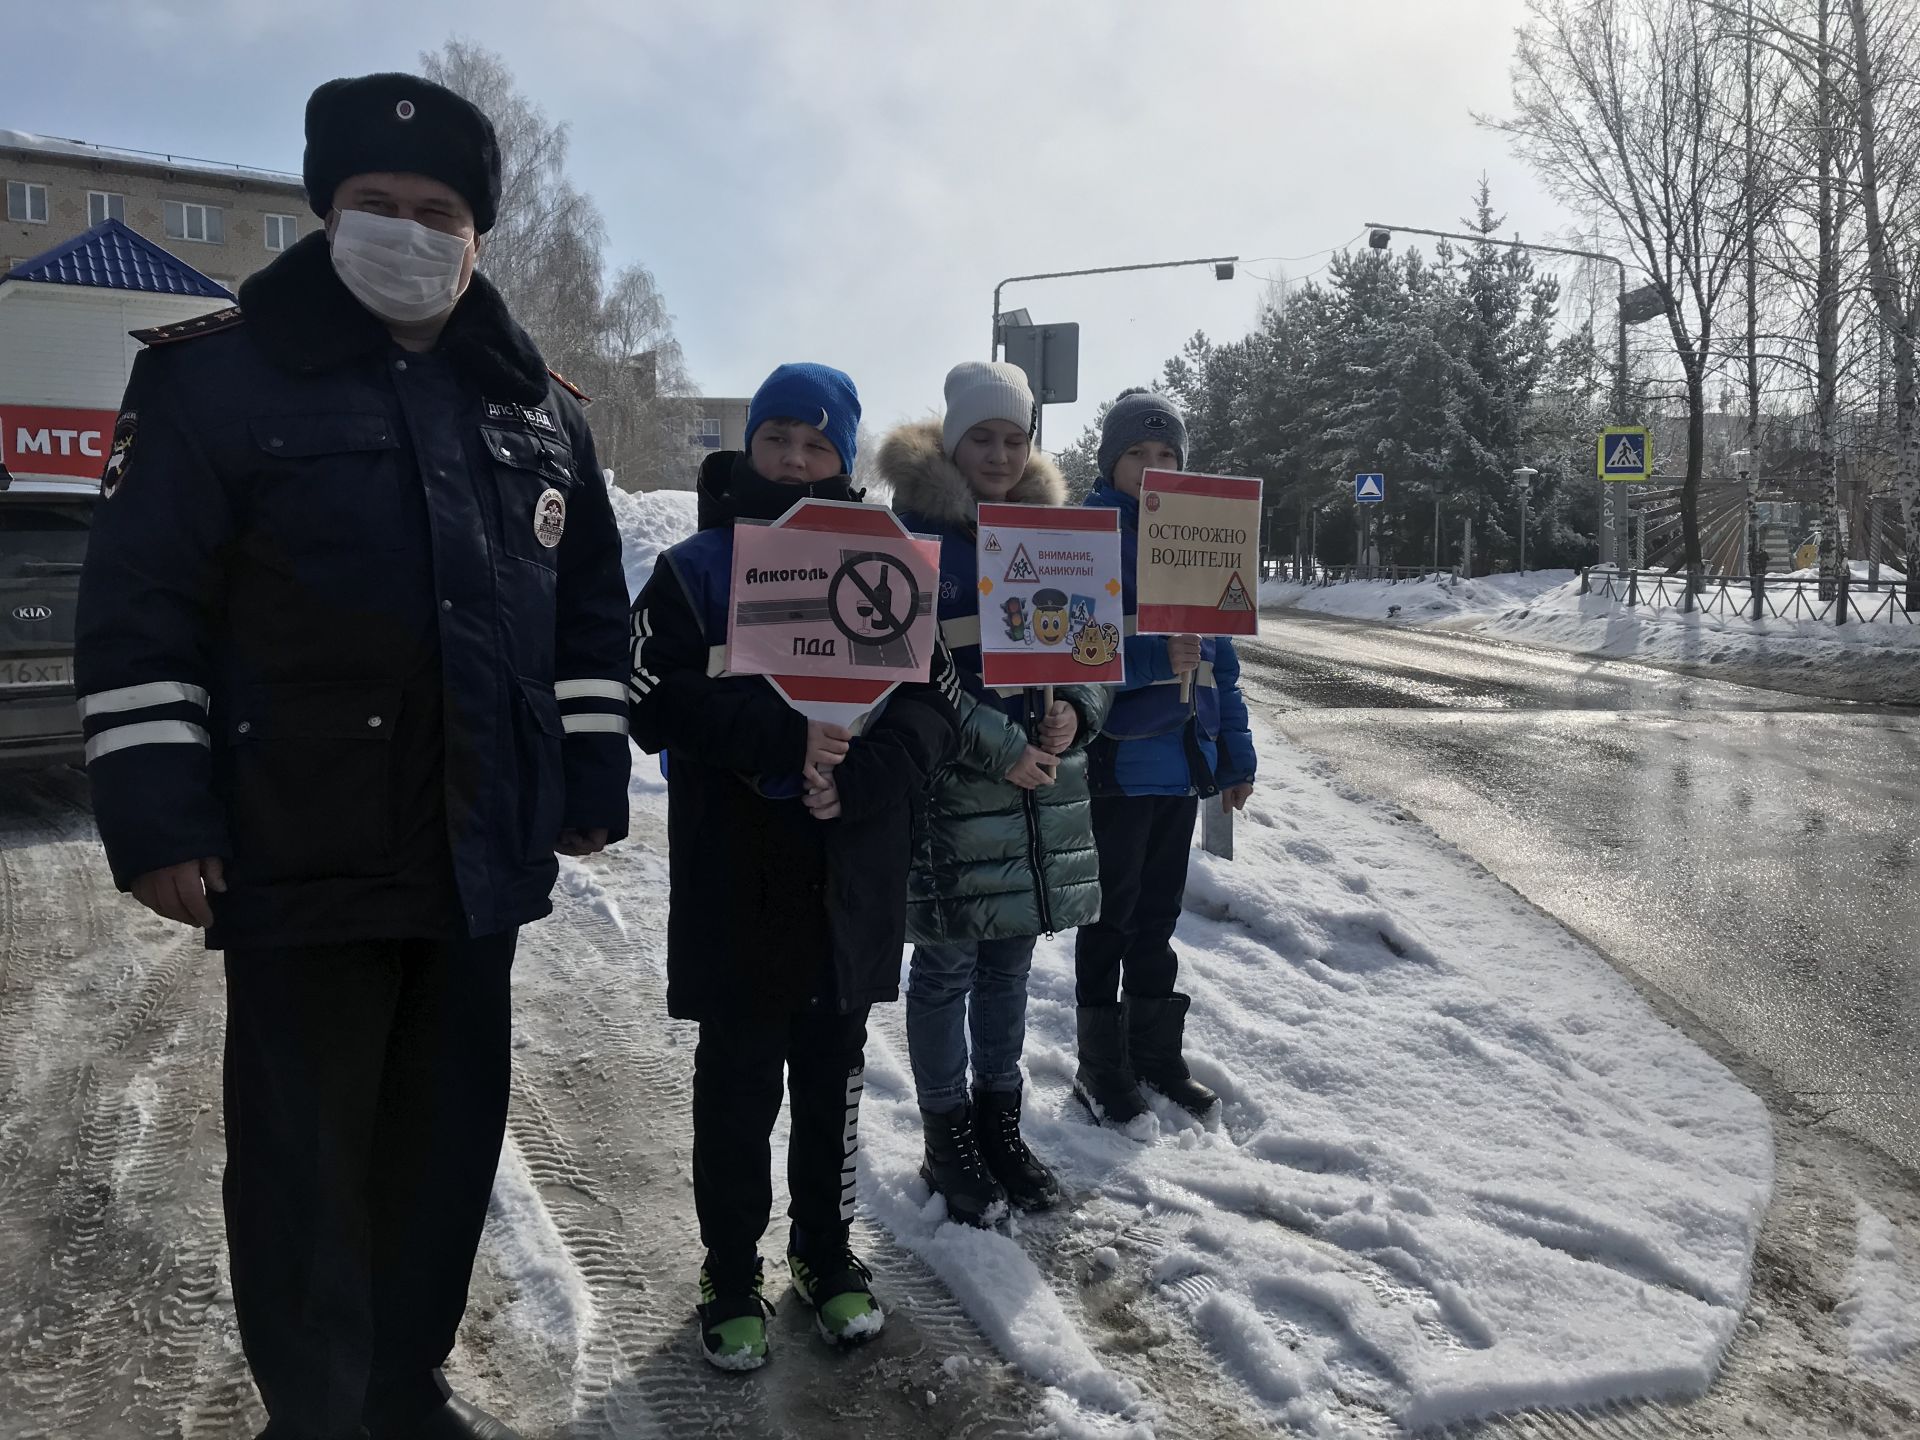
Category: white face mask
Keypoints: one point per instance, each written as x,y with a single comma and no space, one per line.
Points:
399,269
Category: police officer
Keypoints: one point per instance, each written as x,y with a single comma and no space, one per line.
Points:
351,658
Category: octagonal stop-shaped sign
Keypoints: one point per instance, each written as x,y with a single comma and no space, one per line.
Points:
834,604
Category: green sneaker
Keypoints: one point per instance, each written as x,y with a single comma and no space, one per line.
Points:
834,1281
733,1323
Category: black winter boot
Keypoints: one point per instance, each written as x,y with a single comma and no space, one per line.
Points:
455,1420
1105,1082
955,1168
996,1128
1155,1031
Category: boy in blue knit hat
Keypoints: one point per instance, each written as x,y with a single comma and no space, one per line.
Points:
1159,751
788,843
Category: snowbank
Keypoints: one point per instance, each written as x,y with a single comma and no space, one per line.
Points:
1430,600
1863,658
1461,1166
650,521
1881,1311
1462,1169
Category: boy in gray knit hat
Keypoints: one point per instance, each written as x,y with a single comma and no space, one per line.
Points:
1157,754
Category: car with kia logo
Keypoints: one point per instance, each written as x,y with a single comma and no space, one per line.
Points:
44,523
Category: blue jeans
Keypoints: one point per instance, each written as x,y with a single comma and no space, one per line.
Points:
977,986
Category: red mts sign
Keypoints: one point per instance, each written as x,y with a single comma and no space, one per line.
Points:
50,440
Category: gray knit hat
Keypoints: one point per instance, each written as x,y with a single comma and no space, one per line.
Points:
978,390
1140,415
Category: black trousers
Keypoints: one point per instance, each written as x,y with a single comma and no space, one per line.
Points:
366,1099
1144,841
737,1070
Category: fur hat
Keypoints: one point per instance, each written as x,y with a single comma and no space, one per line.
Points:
401,124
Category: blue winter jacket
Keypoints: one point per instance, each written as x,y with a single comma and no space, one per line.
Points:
1153,743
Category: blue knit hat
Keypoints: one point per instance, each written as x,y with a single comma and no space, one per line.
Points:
818,394
1140,415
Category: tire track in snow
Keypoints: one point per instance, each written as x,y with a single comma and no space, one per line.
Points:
602,1115
109,1217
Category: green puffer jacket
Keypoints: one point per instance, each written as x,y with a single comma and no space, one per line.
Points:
991,861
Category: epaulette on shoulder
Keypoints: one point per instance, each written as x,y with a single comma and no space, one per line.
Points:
567,385
190,329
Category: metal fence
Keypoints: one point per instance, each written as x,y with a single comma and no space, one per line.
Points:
1757,597
1313,573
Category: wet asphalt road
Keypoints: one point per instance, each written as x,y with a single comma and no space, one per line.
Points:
1753,854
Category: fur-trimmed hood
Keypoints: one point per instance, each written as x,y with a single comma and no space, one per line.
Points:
308,322
926,483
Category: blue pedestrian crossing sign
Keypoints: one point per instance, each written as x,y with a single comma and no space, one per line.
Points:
1626,453
1369,489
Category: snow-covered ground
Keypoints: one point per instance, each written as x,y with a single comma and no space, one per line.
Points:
1439,599
1862,659
1461,1166
1882,1307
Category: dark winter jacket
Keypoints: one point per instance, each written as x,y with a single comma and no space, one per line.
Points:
1154,743
991,860
770,909
352,619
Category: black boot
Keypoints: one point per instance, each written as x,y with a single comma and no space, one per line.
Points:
955,1168
455,1420
1105,1083
1155,1029
996,1128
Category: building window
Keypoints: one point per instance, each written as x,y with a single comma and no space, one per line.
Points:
706,435
103,205
187,221
26,202
282,231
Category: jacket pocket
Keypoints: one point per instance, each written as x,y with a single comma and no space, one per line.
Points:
538,736
535,480
329,481
309,783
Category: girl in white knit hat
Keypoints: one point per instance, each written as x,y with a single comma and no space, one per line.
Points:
1003,849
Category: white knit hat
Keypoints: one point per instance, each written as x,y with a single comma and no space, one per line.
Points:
978,390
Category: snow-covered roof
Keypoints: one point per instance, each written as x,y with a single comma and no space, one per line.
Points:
112,257
146,159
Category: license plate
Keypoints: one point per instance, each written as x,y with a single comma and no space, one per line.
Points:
48,670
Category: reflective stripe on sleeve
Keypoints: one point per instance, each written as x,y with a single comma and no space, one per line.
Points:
147,732
564,690
142,697
591,723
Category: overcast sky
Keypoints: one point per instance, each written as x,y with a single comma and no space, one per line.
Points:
847,181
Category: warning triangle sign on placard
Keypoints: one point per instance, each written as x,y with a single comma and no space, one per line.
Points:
1626,454
1020,569
1234,597
1369,489
993,543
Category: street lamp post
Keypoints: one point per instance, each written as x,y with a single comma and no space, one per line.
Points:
1524,475
1222,270
1750,483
